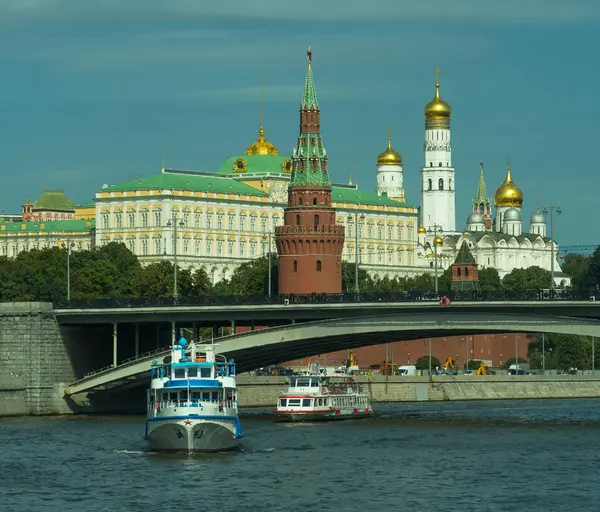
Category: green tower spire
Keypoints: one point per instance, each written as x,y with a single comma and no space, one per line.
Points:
310,156
309,97
482,197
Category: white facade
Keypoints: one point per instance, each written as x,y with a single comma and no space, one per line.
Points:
389,181
437,181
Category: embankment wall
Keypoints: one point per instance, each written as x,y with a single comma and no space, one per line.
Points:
263,391
34,363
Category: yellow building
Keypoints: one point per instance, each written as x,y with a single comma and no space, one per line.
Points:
219,220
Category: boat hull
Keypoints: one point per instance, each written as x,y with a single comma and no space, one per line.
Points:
193,435
290,416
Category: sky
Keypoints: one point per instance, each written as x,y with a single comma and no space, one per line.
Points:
93,93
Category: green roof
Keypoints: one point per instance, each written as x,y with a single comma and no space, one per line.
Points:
353,195
309,96
255,164
464,256
91,204
50,225
53,200
187,181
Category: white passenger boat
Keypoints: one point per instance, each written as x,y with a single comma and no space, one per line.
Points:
192,402
318,397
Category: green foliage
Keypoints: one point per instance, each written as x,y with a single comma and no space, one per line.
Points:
423,363
252,278
474,364
593,278
563,351
445,280
577,267
532,278
489,280
365,283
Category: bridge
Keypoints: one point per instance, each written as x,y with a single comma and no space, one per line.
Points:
270,346
247,310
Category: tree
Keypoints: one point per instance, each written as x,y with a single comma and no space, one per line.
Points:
577,267
593,278
252,277
489,279
474,364
523,279
157,280
202,283
445,280
423,363
365,283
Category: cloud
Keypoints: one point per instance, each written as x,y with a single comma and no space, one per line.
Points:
161,10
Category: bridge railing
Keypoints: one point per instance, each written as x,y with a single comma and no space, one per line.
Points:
323,298
125,362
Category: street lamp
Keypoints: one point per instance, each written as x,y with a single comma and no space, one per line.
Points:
551,208
437,242
174,225
69,245
264,237
362,218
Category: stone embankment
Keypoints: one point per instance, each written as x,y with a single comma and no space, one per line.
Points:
263,391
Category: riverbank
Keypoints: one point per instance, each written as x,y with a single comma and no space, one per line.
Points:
263,391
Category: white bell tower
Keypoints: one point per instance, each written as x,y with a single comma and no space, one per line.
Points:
389,172
437,173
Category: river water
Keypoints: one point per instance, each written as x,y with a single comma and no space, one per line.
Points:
484,456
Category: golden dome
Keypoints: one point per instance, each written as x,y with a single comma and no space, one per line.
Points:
437,107
421,230
438,241
262,146
508,194
389,156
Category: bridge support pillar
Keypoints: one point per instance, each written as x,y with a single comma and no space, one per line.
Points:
137,340
115,345
173,334
194,331
233,327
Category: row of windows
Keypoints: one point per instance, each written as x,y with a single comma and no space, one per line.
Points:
350,229
200,221
319,266
15,248
189,247
440,184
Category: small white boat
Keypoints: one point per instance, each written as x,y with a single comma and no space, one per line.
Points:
192,402
318,397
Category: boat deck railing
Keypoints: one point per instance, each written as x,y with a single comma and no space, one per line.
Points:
194,402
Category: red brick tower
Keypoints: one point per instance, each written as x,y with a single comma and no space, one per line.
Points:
465,276
309,243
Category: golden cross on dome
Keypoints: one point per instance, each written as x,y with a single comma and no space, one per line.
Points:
481,165
437,75
508,161
389,136
309,55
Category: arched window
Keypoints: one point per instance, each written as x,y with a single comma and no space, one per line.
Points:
449,183
441,184
314,201
300,201
430,164
298,219
316,222
319,266
466,271
458,272
295,266
429,184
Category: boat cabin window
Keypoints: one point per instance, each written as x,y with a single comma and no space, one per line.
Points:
173,396
206,395
283,402
195,395
192,372
180,373
293,401
306,402
205,373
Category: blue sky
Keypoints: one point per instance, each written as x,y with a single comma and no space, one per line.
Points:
93,92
